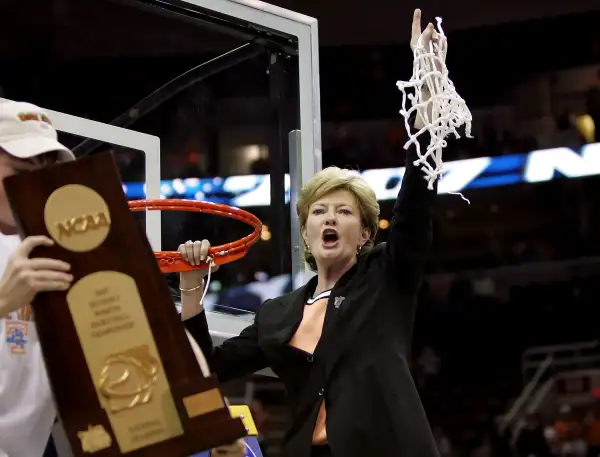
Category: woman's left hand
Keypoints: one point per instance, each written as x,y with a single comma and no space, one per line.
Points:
237,449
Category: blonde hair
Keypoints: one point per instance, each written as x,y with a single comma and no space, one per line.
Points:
329,180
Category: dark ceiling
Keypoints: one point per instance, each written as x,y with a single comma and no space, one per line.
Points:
360,22
72,28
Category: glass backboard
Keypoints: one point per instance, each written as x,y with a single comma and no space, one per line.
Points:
214,100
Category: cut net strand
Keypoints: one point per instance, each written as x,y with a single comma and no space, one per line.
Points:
442,113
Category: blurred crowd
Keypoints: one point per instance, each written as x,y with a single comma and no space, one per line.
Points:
573,433
382,147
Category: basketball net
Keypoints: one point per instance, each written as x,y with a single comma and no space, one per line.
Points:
447,109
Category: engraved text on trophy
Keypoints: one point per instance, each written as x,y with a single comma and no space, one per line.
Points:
123,359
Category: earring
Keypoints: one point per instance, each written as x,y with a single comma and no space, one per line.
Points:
358,249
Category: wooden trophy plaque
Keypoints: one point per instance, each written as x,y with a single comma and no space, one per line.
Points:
124,377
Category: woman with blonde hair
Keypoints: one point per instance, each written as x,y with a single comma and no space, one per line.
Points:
341,343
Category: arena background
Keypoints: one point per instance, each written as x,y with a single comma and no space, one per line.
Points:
506,350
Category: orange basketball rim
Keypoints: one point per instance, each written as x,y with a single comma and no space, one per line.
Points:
172,261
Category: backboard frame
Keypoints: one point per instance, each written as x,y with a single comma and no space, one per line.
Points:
305,148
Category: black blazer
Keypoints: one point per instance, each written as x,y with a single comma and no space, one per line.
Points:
360,367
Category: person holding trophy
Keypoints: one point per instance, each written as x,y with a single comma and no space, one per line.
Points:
28,141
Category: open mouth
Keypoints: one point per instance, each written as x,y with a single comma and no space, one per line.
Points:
330,237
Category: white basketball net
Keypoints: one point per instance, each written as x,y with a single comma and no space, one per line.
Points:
448,110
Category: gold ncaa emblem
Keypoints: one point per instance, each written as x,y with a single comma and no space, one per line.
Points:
77,218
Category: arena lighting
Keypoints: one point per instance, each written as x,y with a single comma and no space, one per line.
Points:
461,175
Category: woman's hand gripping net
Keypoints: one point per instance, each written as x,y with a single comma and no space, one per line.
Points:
437,106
